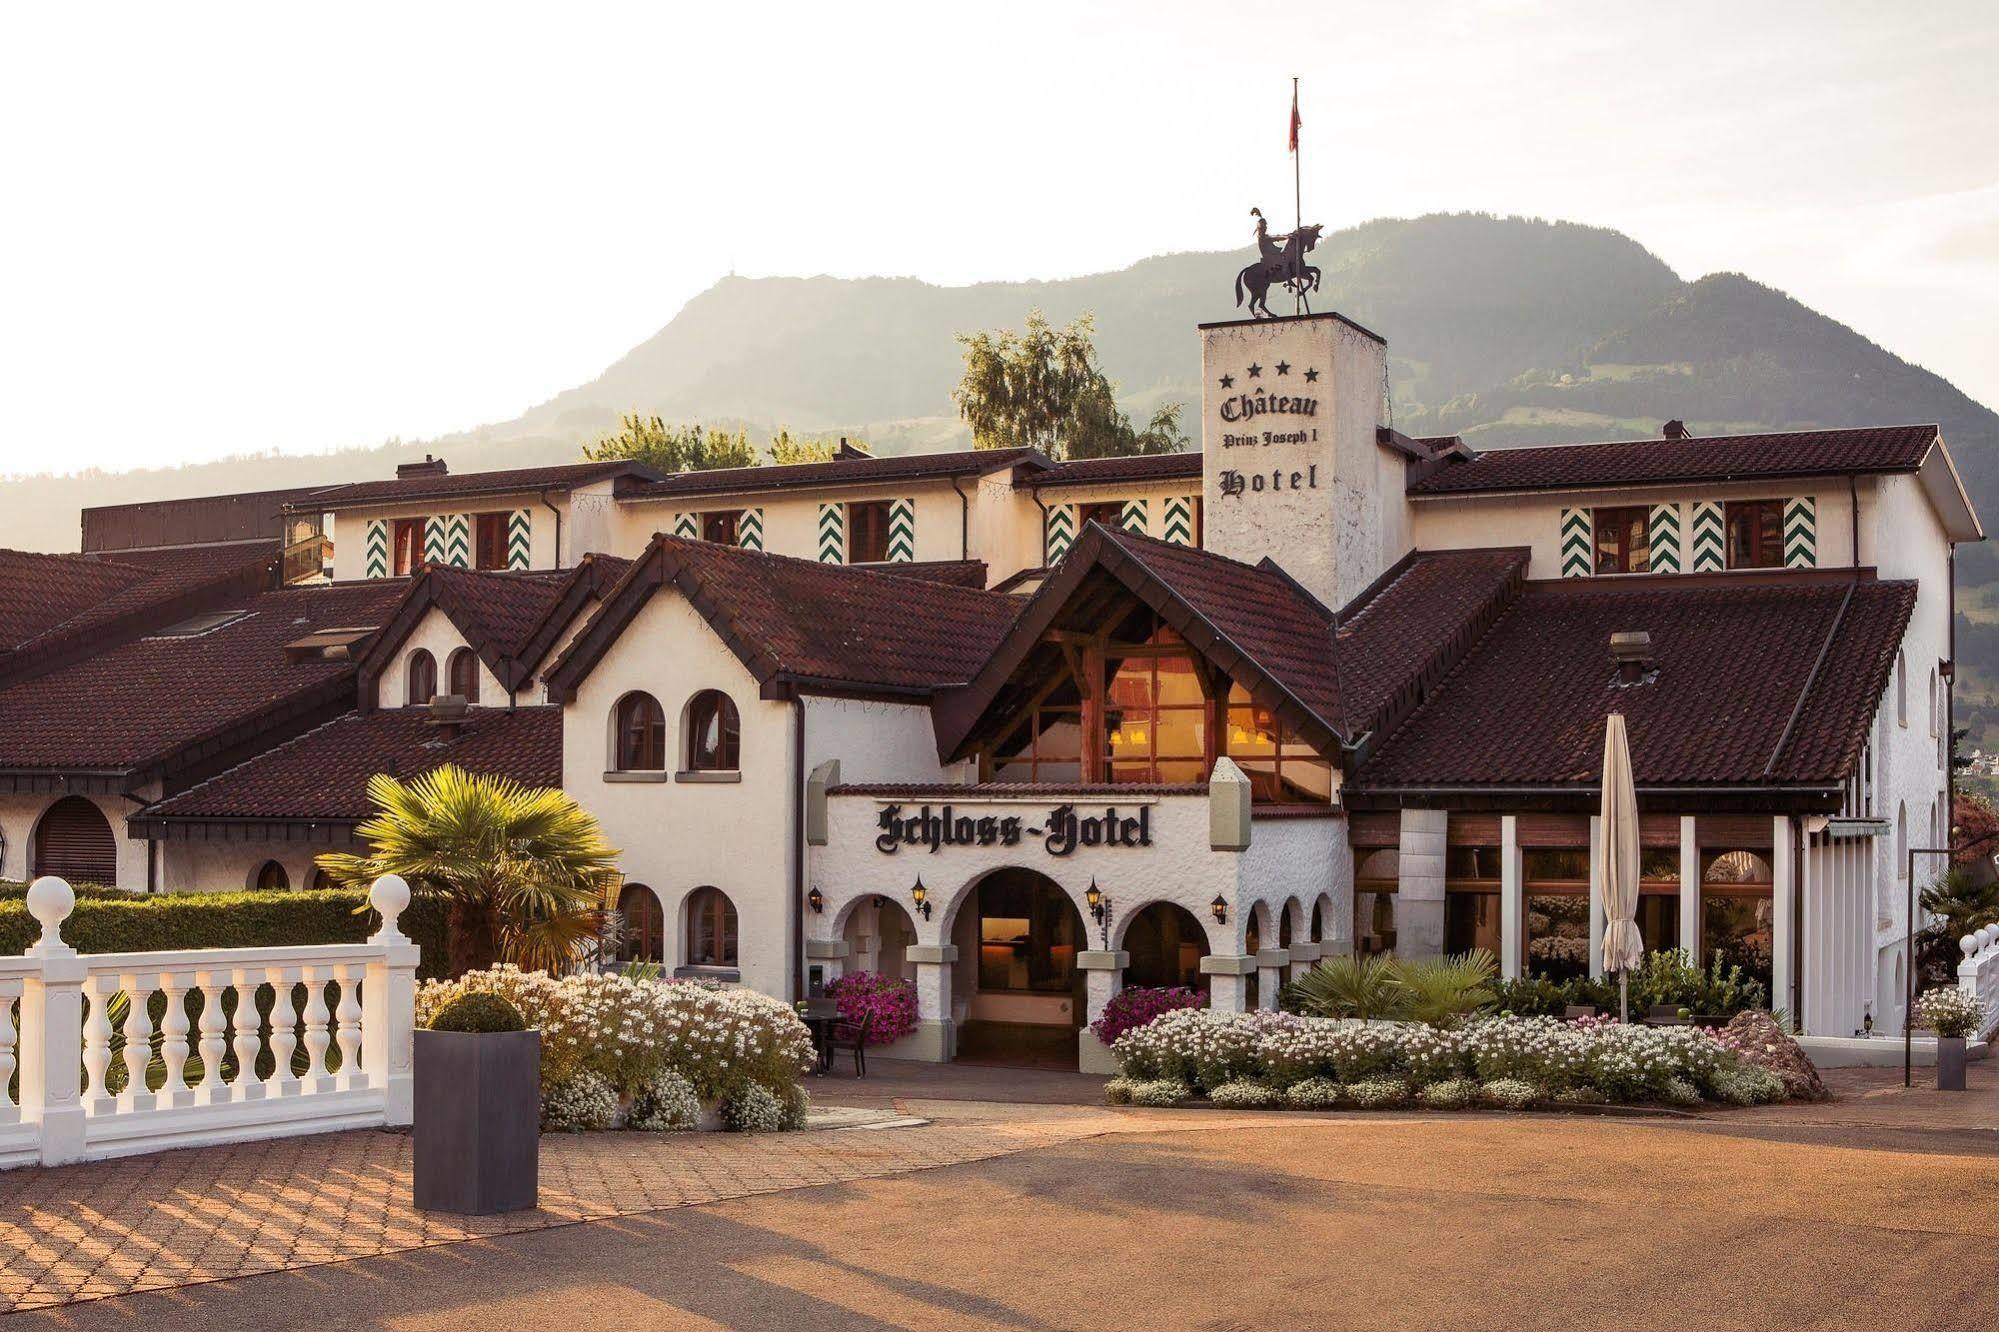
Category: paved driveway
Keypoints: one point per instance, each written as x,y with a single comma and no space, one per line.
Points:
1882,1210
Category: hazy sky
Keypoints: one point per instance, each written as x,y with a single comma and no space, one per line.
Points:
282,226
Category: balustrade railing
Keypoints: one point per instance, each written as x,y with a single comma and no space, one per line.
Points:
1978,975
131,1052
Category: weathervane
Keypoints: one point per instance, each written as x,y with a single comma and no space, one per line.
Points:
1281,261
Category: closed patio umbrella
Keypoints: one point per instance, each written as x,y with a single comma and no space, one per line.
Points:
1623,949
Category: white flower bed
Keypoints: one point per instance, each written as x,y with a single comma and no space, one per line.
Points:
631,1034
1247,1059
1950,1011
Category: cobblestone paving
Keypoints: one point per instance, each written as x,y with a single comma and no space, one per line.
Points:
180,1218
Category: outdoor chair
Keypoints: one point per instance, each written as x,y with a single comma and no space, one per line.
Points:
851,1036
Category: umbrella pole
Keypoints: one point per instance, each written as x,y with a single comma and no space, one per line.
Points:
1624,996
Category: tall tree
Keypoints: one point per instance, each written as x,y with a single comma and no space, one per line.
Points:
1043,388
523,871
674,448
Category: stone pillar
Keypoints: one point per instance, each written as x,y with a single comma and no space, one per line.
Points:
1512,899
1419,896
1225,971
829,955
1783,915
936,1037
1690,889
1270,964
50,1035
1103,977
1596,895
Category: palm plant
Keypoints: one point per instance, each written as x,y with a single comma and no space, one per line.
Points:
1349,987
1439,991
523,870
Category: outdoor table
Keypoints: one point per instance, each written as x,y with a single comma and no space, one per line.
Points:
820,1015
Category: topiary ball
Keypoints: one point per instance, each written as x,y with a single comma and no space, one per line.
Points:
480,1010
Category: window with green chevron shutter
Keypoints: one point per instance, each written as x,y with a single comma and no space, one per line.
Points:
1710,537
750,529
377,549
832,533
1666,540
1133,517
687,526
1801,532
1181,522
1059,533
1578,555
458,540
519,528
902,531
434,539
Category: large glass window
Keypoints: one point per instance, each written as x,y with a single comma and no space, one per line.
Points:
1755,534
1282,769
1471,899
641,734
867,532
714,736
1623,540
711,929
1659,897
408,545
489,541
1556,885
1028,936
1156,717
1049,747
1376,877
1738,910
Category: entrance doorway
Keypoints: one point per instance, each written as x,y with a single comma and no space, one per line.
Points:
1166,944
1017,990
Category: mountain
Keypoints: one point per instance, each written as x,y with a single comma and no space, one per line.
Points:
1506,330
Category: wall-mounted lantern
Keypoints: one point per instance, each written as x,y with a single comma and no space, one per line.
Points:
816,899
1221,909
922,897
1095,897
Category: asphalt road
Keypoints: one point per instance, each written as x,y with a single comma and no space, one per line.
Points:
1474,1222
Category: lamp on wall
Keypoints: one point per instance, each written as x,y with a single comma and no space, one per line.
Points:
1095,897
1221,909
816,900
922,897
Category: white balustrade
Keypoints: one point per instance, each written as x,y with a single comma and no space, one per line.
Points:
1978,975
100,1075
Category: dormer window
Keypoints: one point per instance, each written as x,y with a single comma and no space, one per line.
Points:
719,526
420,679
1623,540
408,546
1755,534
640,735
463,672
867,532
714,735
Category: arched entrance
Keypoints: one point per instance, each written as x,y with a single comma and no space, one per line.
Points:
1016,983
1166,943
73,841
878,933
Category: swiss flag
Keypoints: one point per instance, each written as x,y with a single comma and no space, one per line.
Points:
1295,121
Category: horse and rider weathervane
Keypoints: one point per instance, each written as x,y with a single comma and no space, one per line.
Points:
1281,260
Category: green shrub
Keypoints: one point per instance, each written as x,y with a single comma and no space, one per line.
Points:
1243,1095
1313,1094
1159,1092
478,1011
584,1101
1509,1093
119,922
1378,1093
1450,1094
1438,991
1666,979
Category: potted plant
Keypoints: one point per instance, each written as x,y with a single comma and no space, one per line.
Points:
1952,1015
477,1119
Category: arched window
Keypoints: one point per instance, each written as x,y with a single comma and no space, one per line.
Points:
1902,840
462,670
641,734
321,880
73,841
421,675
271,878
644,938
711,929
714,736
1902,688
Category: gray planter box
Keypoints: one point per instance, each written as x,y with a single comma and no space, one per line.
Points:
477,1121
1950,1063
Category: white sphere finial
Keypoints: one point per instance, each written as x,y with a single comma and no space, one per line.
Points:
1968,944
50,900
389,895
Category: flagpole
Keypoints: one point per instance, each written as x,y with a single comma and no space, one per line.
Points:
1297,189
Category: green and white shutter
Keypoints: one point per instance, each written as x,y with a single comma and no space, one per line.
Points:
901,531
519,526
458,540
750,529
1578,544
1710,537
378,548
1132,517
1662,536
1061,533
1801,532
832,534
686,526
1179,528
433,539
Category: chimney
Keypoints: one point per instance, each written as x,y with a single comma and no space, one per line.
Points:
1676,429
448,714
428,467
1631,651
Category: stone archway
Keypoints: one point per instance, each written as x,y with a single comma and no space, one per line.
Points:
1166,943
1016,985
878,932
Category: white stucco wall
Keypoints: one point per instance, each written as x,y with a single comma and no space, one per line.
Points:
229,867
676,836
437,635
876,742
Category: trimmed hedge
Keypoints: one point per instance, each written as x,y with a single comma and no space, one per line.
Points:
131,923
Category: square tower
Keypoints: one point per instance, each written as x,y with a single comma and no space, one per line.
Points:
1292,467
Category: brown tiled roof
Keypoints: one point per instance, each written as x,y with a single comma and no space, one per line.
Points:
958,573
40,592
1665,461
511,619
840,472
1768,682
323,774
136,705
1118,471
821,627
563,476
